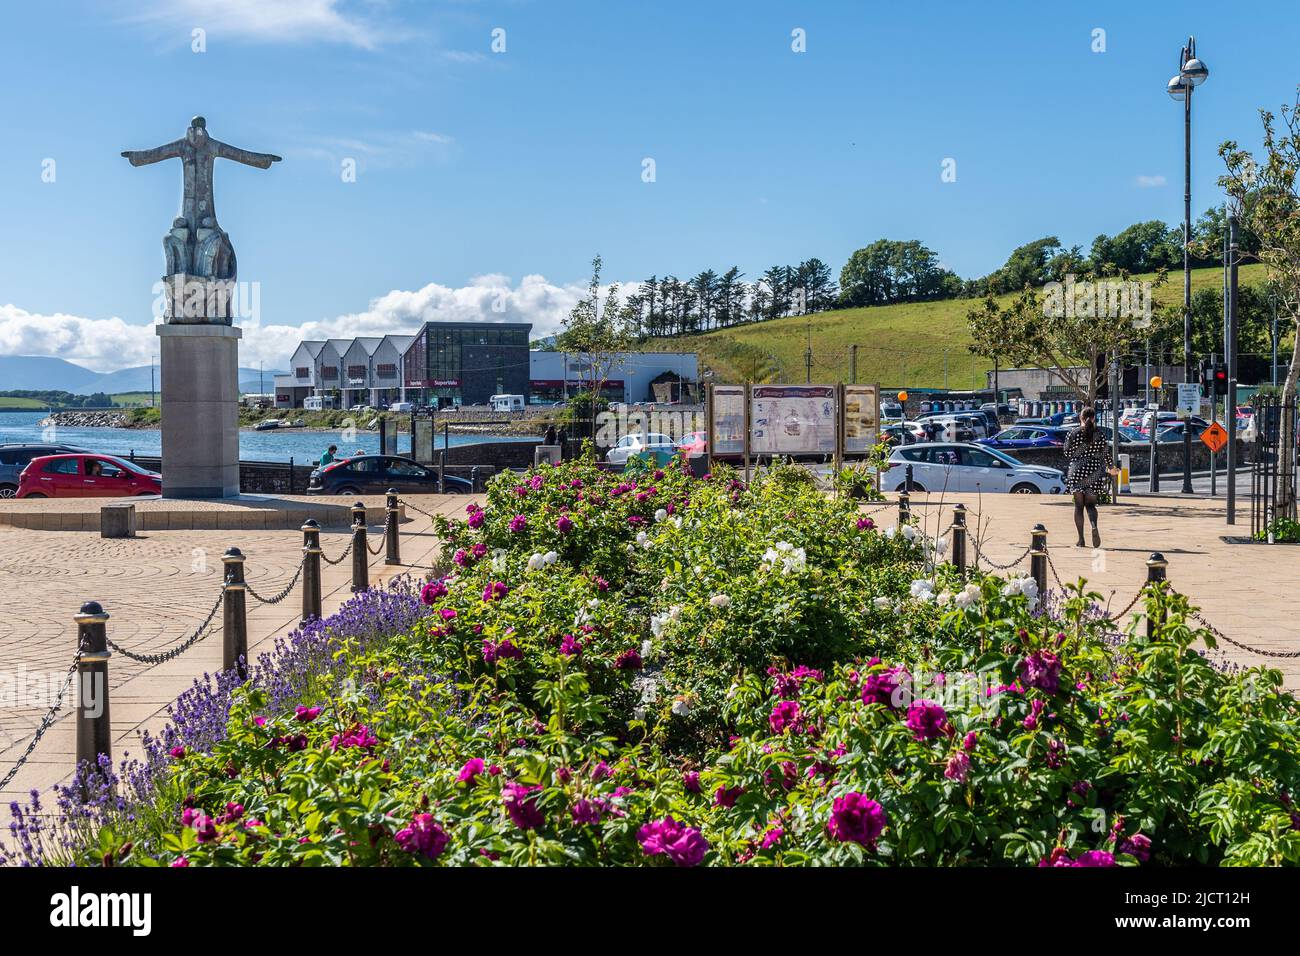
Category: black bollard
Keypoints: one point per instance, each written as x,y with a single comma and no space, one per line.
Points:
959,538
360,556
392,543
234,614
473,480
1157,571
94,726
1038,558
311,570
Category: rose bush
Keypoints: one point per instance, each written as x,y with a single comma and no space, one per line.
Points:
653,669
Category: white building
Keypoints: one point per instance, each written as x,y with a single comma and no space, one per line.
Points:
628,375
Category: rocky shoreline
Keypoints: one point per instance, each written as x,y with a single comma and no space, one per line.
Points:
93,419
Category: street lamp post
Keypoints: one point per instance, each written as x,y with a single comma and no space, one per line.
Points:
1191,74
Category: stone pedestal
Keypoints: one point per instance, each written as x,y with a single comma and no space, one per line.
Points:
200,410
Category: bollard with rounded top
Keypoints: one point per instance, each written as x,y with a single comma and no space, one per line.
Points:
1038,558
904,508
360,556
1157,571
473,480
234,613
392,544
959,538
310,569
94,729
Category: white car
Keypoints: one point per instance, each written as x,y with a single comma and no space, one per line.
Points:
401,407
960,467
638,444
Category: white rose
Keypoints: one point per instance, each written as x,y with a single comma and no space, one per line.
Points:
661,514
883,603
720,600
550,557
681,707
536,562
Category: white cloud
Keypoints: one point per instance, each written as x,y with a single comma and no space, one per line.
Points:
268,21
1150,182
109,344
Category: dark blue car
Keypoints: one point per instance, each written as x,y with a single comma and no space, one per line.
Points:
1027,436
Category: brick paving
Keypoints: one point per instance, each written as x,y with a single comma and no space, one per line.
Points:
157,587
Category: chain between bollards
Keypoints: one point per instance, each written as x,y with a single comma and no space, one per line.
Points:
94,727
393,552
311,603
360,551
234,621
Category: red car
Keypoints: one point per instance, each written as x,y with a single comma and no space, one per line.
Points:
86,476
694,443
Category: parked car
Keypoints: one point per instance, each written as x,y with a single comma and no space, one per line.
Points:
1027,436
402,407
964,467
1174,431
891,411
361,408
1054,421
14,457
694,443
659,446
375,474
86,476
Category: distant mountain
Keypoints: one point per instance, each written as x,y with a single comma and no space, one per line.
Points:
43,372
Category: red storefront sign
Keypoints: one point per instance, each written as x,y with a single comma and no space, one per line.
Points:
433,383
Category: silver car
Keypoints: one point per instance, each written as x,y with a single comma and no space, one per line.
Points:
641,444
962,467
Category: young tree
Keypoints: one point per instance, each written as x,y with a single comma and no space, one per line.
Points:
1264,196
599,333
1072,345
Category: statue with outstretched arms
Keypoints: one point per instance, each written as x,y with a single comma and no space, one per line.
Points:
196,242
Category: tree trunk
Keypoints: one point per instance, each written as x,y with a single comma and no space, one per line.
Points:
1287,437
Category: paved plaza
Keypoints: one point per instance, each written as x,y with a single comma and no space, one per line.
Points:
158,588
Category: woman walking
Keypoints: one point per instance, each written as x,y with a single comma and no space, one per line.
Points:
1089,468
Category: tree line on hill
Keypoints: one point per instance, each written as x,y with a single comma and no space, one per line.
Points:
59,399
891,271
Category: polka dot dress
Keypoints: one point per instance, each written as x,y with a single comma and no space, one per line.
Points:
1088,461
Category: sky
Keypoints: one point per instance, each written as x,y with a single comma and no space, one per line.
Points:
499,146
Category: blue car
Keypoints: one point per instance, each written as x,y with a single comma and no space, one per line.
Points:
1027,436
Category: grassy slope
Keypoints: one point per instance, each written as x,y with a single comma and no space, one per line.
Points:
897,344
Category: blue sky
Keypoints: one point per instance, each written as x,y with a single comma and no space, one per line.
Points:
477,170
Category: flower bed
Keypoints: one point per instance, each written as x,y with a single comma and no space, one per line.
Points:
652,669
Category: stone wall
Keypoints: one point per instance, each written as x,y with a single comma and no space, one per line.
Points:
1170,455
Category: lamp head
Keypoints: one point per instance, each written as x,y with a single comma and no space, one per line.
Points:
1178,87
1195,71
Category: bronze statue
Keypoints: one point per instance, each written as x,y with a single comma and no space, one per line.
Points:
197,245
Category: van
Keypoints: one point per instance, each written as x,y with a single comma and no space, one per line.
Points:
318,403
507,403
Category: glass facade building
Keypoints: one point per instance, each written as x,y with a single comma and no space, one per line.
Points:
467,362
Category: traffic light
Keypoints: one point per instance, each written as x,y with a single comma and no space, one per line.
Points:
1220,380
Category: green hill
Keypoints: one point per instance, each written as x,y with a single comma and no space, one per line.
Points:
906,344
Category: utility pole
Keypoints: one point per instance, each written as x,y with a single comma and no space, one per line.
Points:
1230,410
807,355
853,361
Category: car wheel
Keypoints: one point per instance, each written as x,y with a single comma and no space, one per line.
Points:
910,487
8,491
347,490
1025,488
